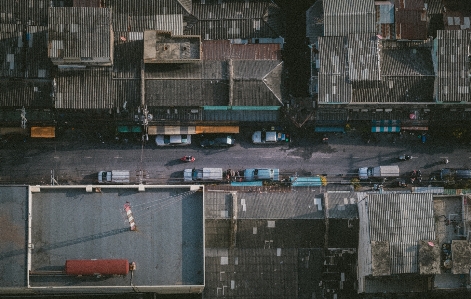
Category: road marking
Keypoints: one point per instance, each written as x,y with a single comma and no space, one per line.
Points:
355,157
87,157
55,157
118,157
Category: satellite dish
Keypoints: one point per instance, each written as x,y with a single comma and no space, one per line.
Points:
150,117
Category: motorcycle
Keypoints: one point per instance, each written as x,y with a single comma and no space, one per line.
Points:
404,157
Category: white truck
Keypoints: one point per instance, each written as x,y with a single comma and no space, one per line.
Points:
114,177
269,137
203,175
378,172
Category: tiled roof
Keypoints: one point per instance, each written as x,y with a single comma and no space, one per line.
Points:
176,92
237,20
315,22
333,85
342,17
401,220
224,49
146,14
453,84
255,83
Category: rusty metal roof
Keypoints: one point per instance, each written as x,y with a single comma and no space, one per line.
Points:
411,20
224,49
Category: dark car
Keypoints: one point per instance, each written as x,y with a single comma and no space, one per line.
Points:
217,141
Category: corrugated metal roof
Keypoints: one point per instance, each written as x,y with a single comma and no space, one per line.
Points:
298,204
242,115
128,52
411,20
342,205
407,75
24,52
224,49
401,220
333,85
252,273
434,7
406,59
24,92
87,3
453,84
363,58
94,89
342,17
146,14
233,20
395,89
26,12
82,34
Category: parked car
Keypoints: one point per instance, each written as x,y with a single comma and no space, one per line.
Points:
217,141
188,159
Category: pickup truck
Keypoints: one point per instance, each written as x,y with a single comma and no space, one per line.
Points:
114,177
391,171
203,175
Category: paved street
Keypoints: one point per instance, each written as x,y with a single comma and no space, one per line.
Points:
76,159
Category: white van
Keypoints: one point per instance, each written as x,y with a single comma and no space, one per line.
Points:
182,139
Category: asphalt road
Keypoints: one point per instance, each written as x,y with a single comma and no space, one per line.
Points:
76,158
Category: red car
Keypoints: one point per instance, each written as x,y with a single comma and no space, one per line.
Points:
188,159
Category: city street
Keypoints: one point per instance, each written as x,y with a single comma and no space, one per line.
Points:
76,159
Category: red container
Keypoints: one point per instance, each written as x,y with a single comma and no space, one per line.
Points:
97,267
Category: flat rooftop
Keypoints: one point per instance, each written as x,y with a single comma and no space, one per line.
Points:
70,223
13,215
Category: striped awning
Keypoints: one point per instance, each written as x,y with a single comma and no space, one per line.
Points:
391,129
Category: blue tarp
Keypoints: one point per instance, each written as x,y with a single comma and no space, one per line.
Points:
254,183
